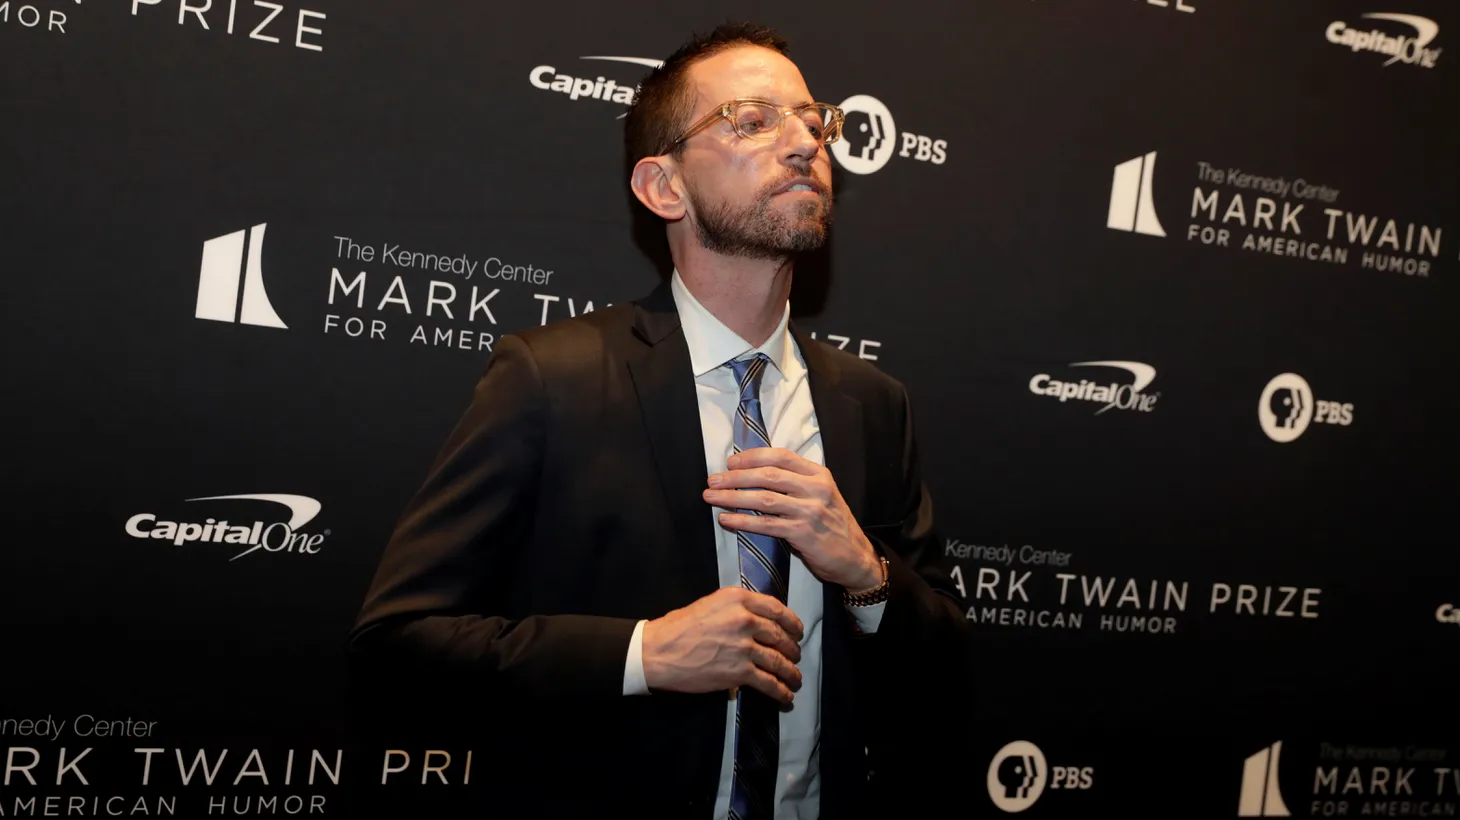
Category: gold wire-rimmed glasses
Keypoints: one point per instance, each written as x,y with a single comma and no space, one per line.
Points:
761,120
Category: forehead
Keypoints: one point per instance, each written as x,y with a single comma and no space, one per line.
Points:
747,71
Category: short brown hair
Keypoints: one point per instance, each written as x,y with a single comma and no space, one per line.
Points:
664,103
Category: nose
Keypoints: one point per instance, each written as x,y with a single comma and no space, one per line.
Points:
800,142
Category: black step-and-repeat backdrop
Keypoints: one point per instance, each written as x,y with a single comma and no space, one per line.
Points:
1172,284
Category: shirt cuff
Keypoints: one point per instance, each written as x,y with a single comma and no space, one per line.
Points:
634,683
868,618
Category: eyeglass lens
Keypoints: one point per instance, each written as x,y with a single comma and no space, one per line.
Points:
762,121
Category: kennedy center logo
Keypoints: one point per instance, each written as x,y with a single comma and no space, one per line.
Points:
1261,796
228,261
1131,208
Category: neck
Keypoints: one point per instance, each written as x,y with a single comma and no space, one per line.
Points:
747,295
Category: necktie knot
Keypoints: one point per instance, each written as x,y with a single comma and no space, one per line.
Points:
748,373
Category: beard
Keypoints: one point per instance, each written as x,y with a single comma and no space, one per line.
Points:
759,230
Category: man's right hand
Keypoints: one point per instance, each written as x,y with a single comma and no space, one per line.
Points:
731,637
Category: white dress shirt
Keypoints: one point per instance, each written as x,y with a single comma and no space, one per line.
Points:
790,418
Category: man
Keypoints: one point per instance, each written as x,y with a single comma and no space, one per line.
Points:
678,550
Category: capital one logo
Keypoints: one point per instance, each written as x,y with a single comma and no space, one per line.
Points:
1401,48
1131,208
1130,396
547,78
279,536
869,138
228,261
1287,407
1260,795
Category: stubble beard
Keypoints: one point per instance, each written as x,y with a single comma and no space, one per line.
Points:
759,230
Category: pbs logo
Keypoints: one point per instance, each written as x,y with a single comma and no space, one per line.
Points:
868,135
870,138
1287,407
1019,774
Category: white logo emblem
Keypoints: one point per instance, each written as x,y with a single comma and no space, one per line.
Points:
1131,208
1286,407
280,536
1017,776
223,266
1401,49
869,135
547,78
1260,794
1448,614
1118,396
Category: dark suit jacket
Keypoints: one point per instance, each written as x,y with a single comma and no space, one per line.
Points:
566,506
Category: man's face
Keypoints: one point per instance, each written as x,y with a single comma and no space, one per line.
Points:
736,186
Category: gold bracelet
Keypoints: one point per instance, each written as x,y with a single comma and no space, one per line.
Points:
875,595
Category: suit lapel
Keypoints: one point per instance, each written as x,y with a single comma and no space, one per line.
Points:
840,418
664,381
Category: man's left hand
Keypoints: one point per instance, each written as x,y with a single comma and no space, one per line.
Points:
801,504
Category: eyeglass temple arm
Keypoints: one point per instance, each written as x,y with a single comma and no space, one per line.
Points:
704,122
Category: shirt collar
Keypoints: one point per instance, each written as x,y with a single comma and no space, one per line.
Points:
712,344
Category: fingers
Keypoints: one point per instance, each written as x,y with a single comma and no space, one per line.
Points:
784,677
777,664
766,501
768,607
774,457
775,526
770,686
769,478
770,633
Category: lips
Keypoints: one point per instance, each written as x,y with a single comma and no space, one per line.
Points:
800,184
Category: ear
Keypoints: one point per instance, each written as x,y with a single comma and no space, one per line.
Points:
657,184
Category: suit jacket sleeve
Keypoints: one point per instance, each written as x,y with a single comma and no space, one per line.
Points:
444,582
918,667
923,609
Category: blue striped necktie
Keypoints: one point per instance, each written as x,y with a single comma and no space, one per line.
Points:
765,566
